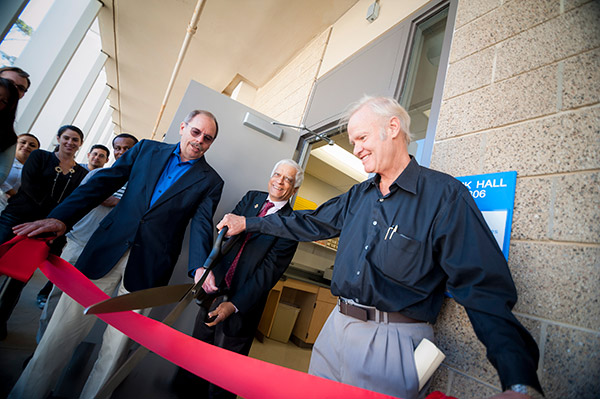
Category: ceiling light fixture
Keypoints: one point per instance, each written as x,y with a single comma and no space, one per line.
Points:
342,160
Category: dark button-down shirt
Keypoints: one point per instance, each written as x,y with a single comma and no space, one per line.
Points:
172,171
401,251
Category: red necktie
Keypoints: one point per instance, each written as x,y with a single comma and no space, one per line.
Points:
229,276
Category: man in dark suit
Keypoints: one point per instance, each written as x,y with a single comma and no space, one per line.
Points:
242,279
135,246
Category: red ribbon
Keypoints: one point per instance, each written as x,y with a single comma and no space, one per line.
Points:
253,378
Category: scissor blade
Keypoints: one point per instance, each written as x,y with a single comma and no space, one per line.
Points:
158,296
141,299
195,291
122,372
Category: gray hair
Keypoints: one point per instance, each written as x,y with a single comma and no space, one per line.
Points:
299,172
385,108
197,112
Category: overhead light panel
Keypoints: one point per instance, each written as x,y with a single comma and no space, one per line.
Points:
342,160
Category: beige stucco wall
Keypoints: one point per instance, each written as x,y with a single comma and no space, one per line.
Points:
522,93
284,97
352,31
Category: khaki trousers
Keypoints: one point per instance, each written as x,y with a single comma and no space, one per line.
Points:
371,355
70,253
67,328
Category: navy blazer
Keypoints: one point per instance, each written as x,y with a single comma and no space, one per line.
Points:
263,261
153,234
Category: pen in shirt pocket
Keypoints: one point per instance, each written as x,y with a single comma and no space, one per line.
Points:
391,229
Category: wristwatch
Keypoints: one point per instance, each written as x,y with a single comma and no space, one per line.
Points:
526,389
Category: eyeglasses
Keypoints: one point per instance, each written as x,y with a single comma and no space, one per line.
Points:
287,179
197,133
21,88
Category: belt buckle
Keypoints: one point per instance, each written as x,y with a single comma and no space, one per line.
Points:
353,311
381,317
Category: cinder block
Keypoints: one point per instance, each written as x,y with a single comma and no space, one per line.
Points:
557,282
439,380
581,78
467,388
468,10
571,363
469,73
458,157
567,142
568,34
501,23
517,99
531,213
287,90
577,208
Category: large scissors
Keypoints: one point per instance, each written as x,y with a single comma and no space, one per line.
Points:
181,293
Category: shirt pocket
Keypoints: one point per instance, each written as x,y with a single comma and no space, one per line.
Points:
400,258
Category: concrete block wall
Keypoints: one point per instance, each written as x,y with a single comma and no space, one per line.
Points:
522,93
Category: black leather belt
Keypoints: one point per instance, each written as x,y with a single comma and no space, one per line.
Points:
371,313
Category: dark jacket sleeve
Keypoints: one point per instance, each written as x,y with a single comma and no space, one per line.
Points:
324,222
101,186
31,178
201,229
479,279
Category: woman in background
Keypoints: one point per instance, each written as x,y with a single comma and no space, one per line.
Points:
26,143
9,97
47,179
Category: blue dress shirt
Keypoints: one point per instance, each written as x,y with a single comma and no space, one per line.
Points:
172,171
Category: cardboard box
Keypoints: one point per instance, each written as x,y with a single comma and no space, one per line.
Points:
283,323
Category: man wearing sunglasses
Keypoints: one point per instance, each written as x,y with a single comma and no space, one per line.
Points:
135,247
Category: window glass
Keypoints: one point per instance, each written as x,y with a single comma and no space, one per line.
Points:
332,170
20,33
424,61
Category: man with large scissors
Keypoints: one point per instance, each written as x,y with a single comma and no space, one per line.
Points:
135,247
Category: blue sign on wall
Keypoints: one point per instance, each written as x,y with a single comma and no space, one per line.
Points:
494,194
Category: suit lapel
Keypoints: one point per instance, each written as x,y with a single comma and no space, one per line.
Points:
160,157
257,204
259,241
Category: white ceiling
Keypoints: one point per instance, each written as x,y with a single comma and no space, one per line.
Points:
252,38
